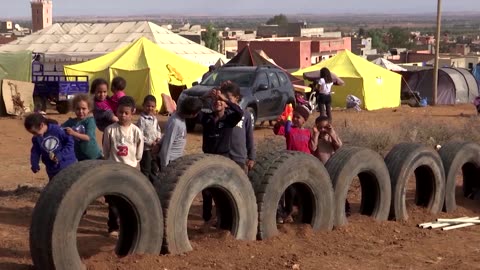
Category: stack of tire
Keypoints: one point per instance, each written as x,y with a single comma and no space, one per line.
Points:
154,218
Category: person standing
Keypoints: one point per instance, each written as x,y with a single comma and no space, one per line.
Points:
324,97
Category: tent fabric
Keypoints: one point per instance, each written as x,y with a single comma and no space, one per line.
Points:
388,65
16,66
147,68
249,57
79,42
376,87
455,85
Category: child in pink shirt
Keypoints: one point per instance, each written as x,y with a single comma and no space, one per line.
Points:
297,139
118,89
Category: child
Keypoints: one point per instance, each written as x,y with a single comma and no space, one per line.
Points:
150,128
297,139
476,102
82,129
102,112
242,148
122,142
324,141
50,143
175,137
118,89
217,135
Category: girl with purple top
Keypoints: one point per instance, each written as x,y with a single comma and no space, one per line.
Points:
102,111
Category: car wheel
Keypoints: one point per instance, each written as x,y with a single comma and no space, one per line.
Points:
253,113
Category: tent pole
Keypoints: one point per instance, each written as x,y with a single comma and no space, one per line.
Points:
437,53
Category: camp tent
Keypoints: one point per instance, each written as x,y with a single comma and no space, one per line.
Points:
16,66
147,68
388,65
249,57
377,87
455,85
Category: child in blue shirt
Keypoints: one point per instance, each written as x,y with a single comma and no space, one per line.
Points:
82,129
50,143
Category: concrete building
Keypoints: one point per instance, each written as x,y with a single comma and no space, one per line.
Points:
294,30
294,53
41,14
363,47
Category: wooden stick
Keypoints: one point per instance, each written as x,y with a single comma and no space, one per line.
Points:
458,226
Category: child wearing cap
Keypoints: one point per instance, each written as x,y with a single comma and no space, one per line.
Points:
297,138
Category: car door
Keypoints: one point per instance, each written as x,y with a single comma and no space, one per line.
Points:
276,99
262,95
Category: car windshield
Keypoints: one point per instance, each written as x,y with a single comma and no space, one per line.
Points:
242,78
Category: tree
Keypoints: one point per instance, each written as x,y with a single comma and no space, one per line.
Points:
378,39
280,19
361,32
210,37
398,38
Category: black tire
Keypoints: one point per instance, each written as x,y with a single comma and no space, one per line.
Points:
458,156
57,214
253,113
233,194
190,123
312,185
406,159
63,107
349,162
262,164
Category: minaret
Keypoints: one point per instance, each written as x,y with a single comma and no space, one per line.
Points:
41,14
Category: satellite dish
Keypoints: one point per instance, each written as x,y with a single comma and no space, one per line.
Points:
227,29
169,27
18,27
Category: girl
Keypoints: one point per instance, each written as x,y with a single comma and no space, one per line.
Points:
324,88
82,129
102,112
50,143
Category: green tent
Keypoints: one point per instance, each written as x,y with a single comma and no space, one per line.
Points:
14,66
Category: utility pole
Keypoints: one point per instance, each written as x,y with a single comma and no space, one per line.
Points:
437,53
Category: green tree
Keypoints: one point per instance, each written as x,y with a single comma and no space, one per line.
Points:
210,37
361,32
398,38
280,19
378,39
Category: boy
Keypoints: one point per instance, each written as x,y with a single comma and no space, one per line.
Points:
297,139
150,128
175,137
217,135
118,89
242,147
324,140
122,142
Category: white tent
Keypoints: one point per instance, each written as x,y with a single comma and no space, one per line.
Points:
79,42
388,65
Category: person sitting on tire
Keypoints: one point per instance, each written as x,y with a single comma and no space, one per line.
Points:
217,135
50,143
298,139
82,129
148,124
172,145
122,142
242,149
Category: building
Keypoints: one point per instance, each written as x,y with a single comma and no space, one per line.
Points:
295,53
42,15
294,30
363,47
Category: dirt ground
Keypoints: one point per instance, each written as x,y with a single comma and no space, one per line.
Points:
362,244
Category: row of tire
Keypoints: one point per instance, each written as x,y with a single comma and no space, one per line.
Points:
153,219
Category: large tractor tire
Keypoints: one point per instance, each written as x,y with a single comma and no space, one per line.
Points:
425,163
460,157
350,162
232,193
57,214
312,186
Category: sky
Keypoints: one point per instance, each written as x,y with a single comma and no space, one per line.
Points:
21,8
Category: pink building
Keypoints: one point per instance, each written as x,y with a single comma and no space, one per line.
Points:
41,14
294,53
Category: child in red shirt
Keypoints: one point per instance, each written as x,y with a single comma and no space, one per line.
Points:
296,136
118,89
297,139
